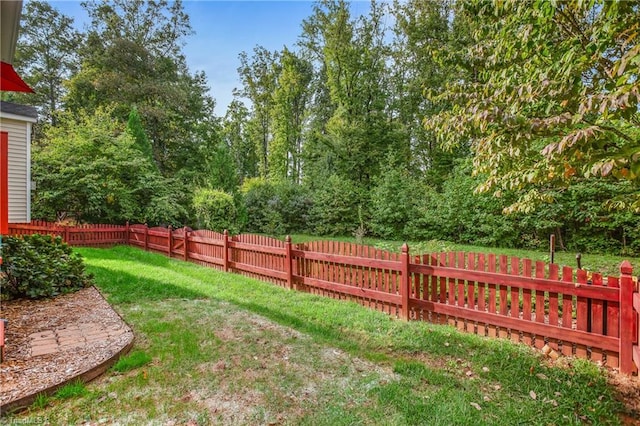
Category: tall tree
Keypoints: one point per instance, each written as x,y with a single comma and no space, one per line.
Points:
46,55
259,78
352,56
134,57
556,99
290,99
236,135
422,28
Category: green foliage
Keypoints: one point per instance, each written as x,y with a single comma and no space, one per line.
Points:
72,390
290,100
215,210
41,401
46,56
89,169
553,98
133,56
135,128
131,361
397,203
337,206
38,266
275,208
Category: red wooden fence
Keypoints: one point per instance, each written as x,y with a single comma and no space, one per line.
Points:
496,296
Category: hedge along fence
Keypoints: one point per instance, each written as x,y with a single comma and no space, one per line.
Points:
496,296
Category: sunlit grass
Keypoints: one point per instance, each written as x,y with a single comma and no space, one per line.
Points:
225,349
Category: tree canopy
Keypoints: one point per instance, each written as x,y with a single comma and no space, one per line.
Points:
553,98
415,119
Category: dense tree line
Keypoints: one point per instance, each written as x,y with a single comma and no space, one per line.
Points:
495,123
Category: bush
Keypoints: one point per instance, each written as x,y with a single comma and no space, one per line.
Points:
339,207
257,194
215,210
40,266
275,208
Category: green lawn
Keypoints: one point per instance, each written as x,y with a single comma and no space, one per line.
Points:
216,348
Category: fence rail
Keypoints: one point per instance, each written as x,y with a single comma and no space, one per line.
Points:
533,303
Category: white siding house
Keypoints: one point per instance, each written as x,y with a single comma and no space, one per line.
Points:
17,121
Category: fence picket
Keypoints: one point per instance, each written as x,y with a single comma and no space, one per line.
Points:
581,313
540,301
527,337
597,319
612,324
567,310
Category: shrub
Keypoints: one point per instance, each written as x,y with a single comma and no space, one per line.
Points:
215,210
257,194
40,266
339,207
275,208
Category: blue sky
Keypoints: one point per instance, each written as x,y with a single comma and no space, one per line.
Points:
223,29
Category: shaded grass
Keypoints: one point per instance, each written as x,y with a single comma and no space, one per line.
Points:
411,373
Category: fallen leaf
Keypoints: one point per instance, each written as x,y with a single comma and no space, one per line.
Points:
485,369
476,406
541,376
533,395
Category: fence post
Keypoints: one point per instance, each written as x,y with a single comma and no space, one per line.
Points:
186,243
225,252
627,318
170,241
66,234
126,234
288,262
146,237
405,284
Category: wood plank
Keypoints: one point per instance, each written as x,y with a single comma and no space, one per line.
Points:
597,318
471,292
514,309
553,304
258,270
461,323
567,309
391,265
206,259
351,290
257,248
535,283
612,324
527,338
502,290
451,261
582,337
480,266
540,300
581,313
492,330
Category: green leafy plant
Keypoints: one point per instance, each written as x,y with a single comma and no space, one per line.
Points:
38,266
41,401
215,210
131,362
72,390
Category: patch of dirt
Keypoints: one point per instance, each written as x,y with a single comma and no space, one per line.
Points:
290,368
97,332
628,391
